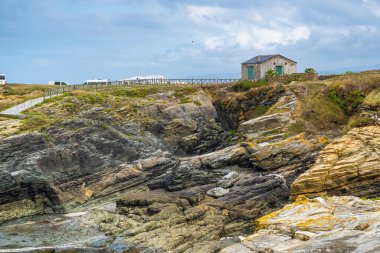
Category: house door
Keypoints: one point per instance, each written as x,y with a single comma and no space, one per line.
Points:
279,70
250,72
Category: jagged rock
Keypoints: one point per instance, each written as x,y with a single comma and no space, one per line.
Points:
265,122
44,173
217,192
204,169
234,108
316,225
289,157
349,165
304,235
228,180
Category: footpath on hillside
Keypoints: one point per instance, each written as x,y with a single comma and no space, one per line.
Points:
17,109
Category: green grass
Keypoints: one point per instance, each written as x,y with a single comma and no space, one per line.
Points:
37,121
135,92
358,121
373,99
348,100
246,85
317,111
257,111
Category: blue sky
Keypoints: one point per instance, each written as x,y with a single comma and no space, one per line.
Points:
76,40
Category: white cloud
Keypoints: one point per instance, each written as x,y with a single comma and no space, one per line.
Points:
246,29
204,13
373,6
214,43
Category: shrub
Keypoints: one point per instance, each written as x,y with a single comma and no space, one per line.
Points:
246,85
7,91
359,121
257,111
309,70
270,73
349,101
348,72
135,92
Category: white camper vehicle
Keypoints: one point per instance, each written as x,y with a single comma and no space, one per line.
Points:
98,81
58,83
149,79
3,81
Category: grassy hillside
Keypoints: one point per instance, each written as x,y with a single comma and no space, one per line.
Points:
14,94
330,106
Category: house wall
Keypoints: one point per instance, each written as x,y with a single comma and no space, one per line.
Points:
244,71
289,67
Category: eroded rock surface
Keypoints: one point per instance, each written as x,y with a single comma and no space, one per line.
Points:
348,166
335,224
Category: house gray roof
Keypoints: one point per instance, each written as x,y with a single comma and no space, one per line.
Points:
263,58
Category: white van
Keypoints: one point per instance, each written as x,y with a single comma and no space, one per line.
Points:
3,81
98,81
58,83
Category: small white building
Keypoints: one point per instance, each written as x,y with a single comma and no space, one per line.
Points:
256,67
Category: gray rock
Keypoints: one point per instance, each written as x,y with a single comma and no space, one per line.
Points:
217,192
228,180
265,122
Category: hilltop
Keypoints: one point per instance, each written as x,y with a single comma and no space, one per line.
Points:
184,168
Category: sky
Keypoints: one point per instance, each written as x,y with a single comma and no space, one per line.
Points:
76,40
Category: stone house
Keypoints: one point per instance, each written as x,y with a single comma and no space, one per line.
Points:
255,68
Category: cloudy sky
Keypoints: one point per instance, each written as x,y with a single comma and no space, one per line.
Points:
75,40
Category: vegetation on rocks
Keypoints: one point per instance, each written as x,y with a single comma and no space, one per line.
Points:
310,70
246,85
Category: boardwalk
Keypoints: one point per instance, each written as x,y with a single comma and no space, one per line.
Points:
16,110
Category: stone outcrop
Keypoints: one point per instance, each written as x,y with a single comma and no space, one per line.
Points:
348,166
169,172
265,122
335,224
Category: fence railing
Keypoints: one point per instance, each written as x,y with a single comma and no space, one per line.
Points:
122,83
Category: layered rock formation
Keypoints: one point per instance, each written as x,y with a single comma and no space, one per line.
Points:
182,170
335,224
348,166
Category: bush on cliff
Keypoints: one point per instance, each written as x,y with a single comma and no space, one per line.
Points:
246,85
349,101
309,70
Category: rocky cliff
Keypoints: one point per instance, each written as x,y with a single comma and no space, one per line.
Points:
348,166
179,169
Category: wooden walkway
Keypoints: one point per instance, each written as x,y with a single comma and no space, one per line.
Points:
17,110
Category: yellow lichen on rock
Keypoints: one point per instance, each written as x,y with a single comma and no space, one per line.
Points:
307,225
349,165
86,191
